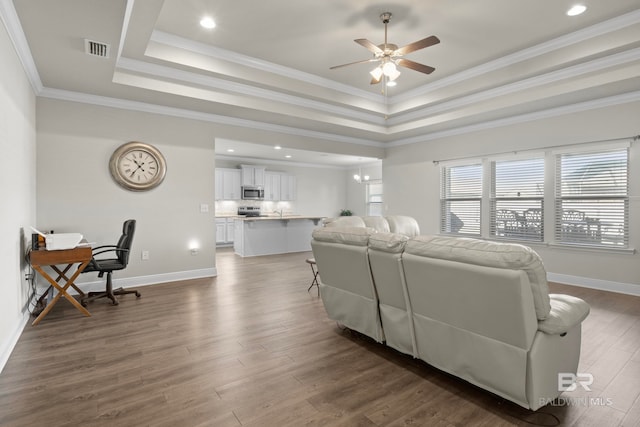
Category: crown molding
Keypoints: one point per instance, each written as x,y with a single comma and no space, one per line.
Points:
522,118
9,17
532,82
124,104
243,89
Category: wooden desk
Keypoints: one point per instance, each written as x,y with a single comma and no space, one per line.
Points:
54,259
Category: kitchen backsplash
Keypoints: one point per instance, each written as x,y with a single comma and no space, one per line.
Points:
230,207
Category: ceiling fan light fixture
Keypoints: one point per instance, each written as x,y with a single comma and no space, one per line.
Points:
388,68
393,74
376,73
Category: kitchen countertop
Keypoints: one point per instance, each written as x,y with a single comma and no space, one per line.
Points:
278,217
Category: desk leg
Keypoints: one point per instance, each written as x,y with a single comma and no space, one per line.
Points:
62,291
62,275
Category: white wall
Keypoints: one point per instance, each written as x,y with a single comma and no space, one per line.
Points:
76,193
411,183
17,191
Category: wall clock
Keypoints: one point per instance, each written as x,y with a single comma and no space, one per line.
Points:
137,166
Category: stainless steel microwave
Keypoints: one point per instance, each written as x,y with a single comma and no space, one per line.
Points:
251,192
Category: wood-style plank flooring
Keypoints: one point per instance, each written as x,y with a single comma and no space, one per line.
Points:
252,347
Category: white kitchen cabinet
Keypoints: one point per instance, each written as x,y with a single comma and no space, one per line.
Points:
288,187
224,230
228,184
221,230
230,230
253,175
272,186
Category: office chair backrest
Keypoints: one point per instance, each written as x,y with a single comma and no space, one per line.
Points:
125,241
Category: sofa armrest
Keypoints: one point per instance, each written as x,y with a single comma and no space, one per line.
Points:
566,312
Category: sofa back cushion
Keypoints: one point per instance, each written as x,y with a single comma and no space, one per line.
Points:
353,236
378,223
403,225
489,254
345,221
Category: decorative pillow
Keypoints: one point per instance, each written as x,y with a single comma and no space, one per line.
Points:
490,254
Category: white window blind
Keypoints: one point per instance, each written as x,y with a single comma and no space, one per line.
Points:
517,196
592,202
374,198
461,199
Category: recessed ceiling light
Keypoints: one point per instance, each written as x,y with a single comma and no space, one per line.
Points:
277,147
391,83
208,22
576,10
230,150
288,156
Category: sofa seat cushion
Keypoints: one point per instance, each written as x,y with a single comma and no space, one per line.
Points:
490,254
388,242
566,312
355,236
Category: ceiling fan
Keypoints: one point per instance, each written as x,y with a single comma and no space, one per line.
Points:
389,55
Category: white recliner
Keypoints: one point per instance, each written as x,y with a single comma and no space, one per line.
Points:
346,286
482,311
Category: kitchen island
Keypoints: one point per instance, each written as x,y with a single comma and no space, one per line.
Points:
269,235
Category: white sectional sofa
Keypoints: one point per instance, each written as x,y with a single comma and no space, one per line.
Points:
479,310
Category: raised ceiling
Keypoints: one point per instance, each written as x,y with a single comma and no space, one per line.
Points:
266,64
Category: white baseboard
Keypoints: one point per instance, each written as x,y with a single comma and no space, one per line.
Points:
6,347
154,279
603,285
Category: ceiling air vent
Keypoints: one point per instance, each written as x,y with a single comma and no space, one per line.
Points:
96,48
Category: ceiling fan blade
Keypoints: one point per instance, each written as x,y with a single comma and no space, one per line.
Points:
372,47
414,66
353,63
375,81
420,44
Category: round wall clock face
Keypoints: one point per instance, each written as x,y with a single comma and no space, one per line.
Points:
137,166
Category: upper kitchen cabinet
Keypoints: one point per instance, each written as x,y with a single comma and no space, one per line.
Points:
228,182
252,175
287,187
272,186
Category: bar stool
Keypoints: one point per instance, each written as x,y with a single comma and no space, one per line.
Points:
314,270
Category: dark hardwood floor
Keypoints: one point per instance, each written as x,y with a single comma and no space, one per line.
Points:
253,348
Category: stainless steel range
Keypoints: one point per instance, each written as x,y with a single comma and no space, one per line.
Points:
249,210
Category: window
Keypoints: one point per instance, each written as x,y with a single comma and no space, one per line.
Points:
580,192
517,197
374,198
592,201
461,199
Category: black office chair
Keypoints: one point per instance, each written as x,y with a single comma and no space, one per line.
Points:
109,265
